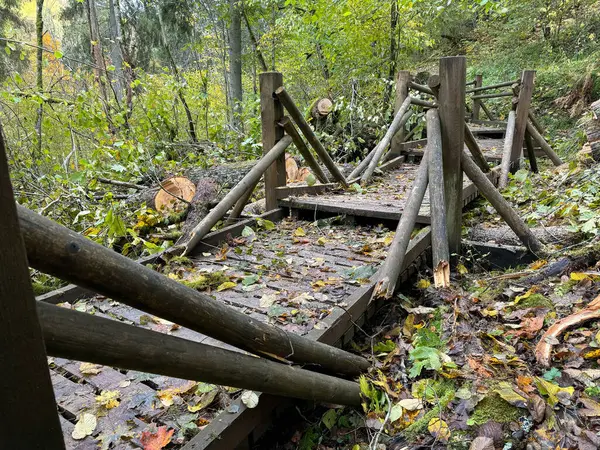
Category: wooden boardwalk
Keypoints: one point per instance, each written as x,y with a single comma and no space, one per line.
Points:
310,278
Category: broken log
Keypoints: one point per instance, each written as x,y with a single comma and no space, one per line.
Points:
85,337
56,250
174,195
437,202
290,129
205,192
543,348
217,213
385,142
504,235
506,163
508,214
476,152
392,266
309,134
544,145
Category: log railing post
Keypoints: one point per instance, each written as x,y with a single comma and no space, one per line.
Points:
525,93
451,101
402,85
476,101
271,112
26,386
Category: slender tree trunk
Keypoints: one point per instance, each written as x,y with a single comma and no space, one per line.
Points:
257,50
393,52
39,28
178,77
235,63
115,49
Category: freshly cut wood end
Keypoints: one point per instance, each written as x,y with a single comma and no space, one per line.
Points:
166,201
441,275
324,107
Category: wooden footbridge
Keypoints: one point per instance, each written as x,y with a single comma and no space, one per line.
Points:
297,292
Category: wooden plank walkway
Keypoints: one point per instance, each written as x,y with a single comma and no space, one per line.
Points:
313,278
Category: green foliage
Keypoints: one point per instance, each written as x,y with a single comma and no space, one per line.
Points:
493,407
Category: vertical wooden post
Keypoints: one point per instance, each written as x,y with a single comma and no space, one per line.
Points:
453,74
402,82
271,112
28,409
477,102
525,93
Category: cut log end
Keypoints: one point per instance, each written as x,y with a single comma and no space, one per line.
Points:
168,198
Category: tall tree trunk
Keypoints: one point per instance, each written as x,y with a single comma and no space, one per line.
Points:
178,77
393,52
257,51
39,28
235,62
115,49
96,46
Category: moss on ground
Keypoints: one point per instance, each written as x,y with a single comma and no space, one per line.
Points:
494,407
205,281
535,301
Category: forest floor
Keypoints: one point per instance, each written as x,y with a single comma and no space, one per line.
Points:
459,368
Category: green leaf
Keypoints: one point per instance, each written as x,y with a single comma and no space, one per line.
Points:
384,347
395,413
247,231
58,54
250,279
552,374
329,418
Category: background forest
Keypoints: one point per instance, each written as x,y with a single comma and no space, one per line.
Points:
137,90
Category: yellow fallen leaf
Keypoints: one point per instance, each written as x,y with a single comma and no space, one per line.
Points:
538,264
85,426
462,270
205,400
579,276
594,354
108,399
525,295
226,285
553,390
299,232
423,283
321,241
439,429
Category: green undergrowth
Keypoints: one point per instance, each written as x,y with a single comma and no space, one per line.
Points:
494,408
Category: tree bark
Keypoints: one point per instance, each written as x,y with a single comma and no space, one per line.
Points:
503,208
55,250
39,28
393,53
84,337
392,267
507,153
116,53
257,51
235,62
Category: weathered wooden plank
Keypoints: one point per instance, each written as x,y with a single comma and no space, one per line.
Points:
292,191
271,112
452,112
525,94
25,377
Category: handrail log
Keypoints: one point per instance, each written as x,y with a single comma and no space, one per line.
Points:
423,103
309,134
85,337
492,86
242,188
544,145
380,148
420,87
56,250
476,152
495,95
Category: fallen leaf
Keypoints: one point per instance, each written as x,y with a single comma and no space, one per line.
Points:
411,404
554,392
205,400
299,232
90,368
267,300
538,264
506,391
395,412
85,426
439,429
592,407
250,399
108,399
158,440
423,283
226,285
478,368
530,326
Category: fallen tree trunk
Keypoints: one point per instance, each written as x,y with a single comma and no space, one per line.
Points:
125,184
206,192
508,214
84,337
504,235
392,267
54,249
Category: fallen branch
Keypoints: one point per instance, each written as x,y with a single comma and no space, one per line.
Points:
544,346
139,187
